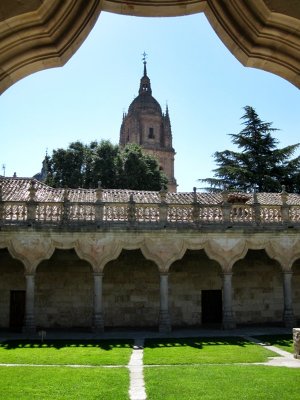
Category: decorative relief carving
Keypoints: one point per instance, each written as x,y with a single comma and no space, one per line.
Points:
98,251
163,251
226,251
31,250
285,250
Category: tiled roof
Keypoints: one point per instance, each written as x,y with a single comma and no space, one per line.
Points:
17,189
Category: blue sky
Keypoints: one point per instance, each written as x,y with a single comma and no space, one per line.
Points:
204,85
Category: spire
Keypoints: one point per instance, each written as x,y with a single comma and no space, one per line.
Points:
145,63
167,110
145,85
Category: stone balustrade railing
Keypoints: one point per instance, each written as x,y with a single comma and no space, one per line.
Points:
147,214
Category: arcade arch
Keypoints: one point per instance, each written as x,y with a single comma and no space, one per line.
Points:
131,291
195,288
296,290
12,291
257,289
64,292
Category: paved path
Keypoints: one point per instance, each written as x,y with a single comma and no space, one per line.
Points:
137,383
286,360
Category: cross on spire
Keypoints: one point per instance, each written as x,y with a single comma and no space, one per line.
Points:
144,57
145,62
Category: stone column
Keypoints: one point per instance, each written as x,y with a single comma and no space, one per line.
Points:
228,317
164,317
29,322
288,314
98,325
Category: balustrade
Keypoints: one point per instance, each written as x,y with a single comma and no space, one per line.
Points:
158,210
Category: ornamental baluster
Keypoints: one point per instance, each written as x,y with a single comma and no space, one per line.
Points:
226,207
31,204
99,203
256,207
284,207
1,206
66,207
196,207
131,210
163,207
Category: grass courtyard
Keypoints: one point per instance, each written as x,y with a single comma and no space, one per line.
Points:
183,369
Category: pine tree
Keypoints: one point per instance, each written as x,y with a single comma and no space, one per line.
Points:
260,165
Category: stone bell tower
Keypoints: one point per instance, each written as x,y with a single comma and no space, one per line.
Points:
146,125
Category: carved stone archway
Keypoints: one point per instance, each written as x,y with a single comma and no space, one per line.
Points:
40,34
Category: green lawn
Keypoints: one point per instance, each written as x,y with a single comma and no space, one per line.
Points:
81,352
203,351
284,342
59,383
215,382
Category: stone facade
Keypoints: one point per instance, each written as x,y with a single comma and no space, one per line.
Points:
146,125
95,259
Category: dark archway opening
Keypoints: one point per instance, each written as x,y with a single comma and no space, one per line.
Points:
12,292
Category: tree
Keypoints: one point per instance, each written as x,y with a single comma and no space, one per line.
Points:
141,170
260,164
85,165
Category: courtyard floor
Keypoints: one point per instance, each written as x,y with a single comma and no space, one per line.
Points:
158,366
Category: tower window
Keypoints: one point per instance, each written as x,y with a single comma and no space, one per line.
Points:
151,133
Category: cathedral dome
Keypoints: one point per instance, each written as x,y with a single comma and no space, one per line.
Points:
145,102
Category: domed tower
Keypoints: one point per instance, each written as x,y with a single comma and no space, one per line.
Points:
146,125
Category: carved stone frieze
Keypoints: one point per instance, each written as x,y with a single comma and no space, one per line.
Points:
163,251
285,250
226,251
98,251
31,250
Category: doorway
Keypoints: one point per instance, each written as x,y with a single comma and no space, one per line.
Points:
17,309
211,306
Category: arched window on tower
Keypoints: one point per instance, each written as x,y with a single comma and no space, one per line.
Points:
151,133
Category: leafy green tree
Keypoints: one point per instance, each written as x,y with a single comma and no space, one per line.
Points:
260,164
141,170
85,165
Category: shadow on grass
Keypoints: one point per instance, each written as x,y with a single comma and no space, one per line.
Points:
60,344
276,340
197,343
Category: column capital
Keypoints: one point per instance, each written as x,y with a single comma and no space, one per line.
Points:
164,273
98,273
287,272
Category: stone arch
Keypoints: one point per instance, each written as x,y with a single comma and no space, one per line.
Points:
39,35
64,291
296,289
131,291
12,289
190,278
258,289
